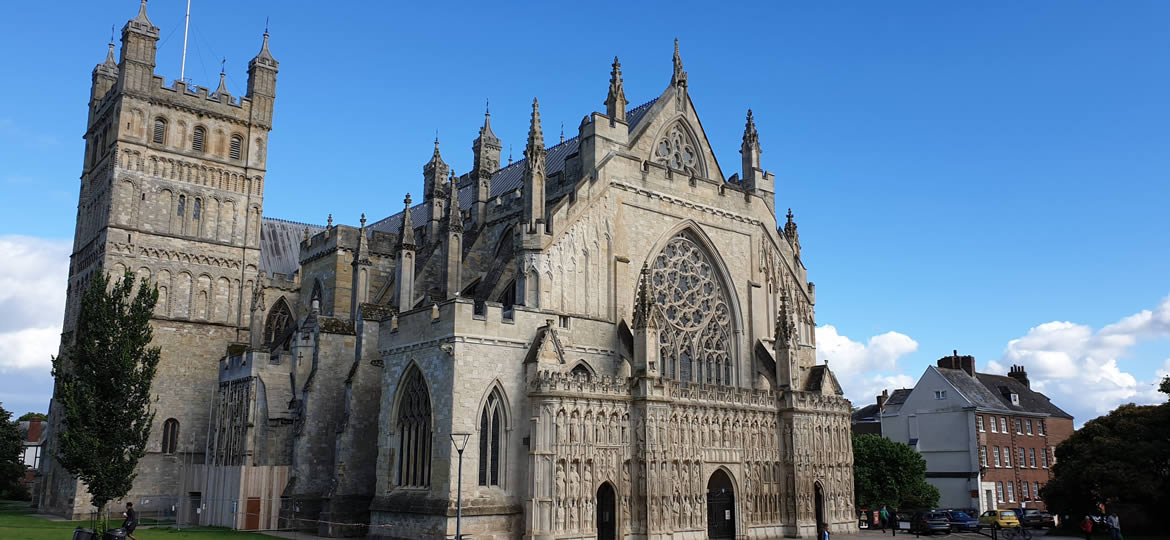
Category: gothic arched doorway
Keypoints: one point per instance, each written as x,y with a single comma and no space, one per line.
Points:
720,506
819,498
606,512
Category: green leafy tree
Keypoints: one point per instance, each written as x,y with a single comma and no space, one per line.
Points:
103,387
29,416
1120,458
1165,386
890,474
11,466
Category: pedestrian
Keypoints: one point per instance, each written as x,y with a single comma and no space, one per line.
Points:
824,535
884,516
1087,528
893,523
131,522
1114,526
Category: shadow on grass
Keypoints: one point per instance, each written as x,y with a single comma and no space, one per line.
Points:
18,523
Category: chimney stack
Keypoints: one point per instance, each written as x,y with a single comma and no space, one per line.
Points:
965,363
1018,373
881,400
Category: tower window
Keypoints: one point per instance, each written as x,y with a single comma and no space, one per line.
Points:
160,131
198,207
491,432
170,438
237,146
197,139
182,205
414,432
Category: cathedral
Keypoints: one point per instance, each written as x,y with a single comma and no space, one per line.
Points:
609,338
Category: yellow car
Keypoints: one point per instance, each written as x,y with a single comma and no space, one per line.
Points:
999,519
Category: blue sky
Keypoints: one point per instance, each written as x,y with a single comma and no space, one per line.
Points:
987,177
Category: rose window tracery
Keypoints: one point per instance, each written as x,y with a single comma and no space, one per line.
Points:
678,151
693,315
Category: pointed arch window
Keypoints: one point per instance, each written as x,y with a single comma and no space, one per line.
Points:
492,432
160,131
197,139
278,326
236,147
693,314
414,432
170,438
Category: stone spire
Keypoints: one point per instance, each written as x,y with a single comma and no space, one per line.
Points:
141,19
434,175
404,262
785,327
750,149
262,71
644,301
360,276
139,45
534,174
487,149
791,234
615,102
454,213
105,76
222,90
454,227
680,77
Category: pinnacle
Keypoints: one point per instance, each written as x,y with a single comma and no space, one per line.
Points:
535,135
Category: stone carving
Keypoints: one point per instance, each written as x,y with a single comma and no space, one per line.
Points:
693,314
677,150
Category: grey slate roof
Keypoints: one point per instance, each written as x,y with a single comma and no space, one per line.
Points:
1030,400
280,244
507,179
897,399
868,413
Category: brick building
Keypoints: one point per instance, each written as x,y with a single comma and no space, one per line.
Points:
988,440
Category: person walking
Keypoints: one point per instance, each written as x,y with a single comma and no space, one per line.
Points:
824,534
884,517
1114,526
1087,527
131,521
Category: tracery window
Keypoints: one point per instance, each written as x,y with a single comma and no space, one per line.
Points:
491,443
693,316
414,432
677,150
278,324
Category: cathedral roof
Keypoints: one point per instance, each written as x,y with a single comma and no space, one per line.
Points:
280,244
510,178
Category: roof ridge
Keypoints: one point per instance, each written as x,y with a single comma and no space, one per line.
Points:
269,218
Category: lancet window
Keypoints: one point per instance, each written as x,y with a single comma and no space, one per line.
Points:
491,441
693,315
414,432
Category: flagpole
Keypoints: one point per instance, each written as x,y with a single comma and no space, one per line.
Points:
186,26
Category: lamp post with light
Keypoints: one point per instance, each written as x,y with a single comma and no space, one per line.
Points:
460,442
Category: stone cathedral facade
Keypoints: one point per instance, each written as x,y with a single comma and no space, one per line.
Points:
620,333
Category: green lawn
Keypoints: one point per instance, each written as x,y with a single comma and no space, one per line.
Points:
17,524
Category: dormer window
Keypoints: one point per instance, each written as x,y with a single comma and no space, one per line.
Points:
1015,398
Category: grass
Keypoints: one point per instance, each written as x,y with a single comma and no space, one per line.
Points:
17,523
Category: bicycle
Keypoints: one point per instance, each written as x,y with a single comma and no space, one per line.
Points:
1018,532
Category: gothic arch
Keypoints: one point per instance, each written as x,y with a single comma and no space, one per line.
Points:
581,366
493,424
279,323
687,234
414,428
677,146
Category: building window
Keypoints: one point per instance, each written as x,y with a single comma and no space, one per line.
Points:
170,438
995,453
1011,491
999,491
1022,462
1003,424
414,432
491,432
1007,457
182,205
983,456
979,423
160,131
1015,399
1028,425
1040,427
940,394
197,139
1019,427
581,371
237,147
1032,457
1044,458
1036,490
198,207
1024,495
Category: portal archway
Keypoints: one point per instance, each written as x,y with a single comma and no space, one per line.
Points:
606,512
720,506
819,498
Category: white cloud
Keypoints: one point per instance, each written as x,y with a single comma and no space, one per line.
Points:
33,274
879,354
1081,370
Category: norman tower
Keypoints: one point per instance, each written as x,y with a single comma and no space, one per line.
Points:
172,189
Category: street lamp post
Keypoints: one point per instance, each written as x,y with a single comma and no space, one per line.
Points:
460,442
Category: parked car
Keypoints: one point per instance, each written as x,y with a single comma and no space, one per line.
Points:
999,519
1046,520
930,523
961,521
1029,517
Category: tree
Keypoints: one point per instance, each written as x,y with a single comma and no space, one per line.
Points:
1165,386
29,416
1120,458
11,465
103,387
890,474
